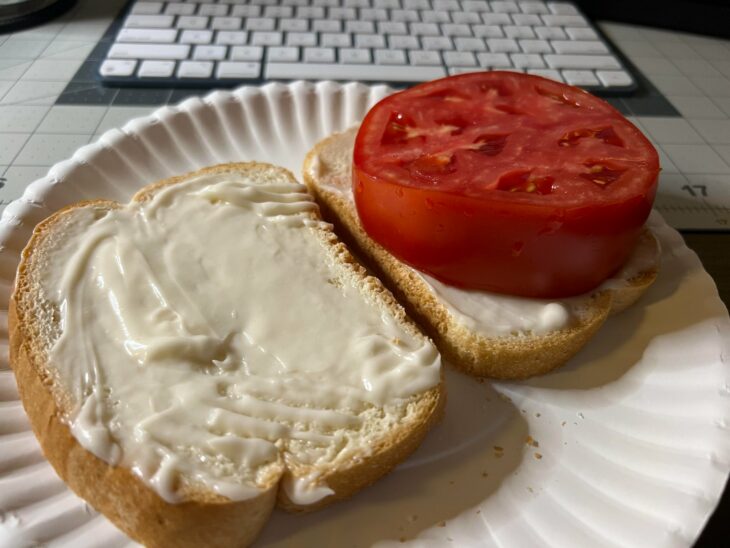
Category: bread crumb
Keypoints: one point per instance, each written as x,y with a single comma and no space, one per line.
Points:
563,423
505,398
479,511
402,539
485,475
532,442
442,524
538,456
396,341
530,489
451,482
537,415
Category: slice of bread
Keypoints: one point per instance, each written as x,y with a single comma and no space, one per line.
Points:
470,347
170,499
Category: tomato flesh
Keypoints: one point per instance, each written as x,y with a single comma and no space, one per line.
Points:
504,182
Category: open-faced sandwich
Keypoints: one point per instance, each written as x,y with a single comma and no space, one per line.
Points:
505,211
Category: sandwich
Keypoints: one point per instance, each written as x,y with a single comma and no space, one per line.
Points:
505,211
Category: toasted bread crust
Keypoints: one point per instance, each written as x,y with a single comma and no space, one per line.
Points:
203,518
506,357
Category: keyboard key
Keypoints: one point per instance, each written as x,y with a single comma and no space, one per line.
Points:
565,21
488,31
319,55
210,53
118,67
474,5
579,46
149,51
407,16
436,43
246,11
526,20
466,18
260,23
512,31
230,37
310,12
179,9
424,58
342,71
459,59
505,7
425,29
450,5
195,69
361,27
533,7
496,19
502,45
453,71
581,33
429,16
369,41
419,4
196,37
493,60
247,53
301,39
294,25
535,46
582,62
392,27
581,78
377,14
154,36
615,78
147,8
149,21
390,57
341,13
267,38
547,73
403,42
470,44
354,55
226,23
156,69
453,29
213,9
282,54
550,33
279,11
233,70
192,22
325,25
335,39
562,8
527,60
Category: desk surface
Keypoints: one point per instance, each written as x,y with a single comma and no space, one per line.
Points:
692,72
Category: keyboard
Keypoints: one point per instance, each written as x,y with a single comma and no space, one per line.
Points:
228,42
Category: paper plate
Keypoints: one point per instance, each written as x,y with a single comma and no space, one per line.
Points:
627,445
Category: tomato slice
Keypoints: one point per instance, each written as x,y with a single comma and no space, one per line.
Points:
504,182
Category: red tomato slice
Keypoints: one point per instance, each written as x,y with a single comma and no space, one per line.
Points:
504,182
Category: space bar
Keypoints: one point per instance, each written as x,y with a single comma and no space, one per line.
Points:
340,71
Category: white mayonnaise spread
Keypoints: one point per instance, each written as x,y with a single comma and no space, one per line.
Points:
494,314
209,336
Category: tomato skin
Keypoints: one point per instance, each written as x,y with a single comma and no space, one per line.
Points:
501,242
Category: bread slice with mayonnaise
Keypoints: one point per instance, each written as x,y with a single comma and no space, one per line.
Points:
210,350
481,333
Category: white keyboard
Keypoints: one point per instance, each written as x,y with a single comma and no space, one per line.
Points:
227,42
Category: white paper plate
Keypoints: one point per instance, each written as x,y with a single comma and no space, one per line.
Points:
634,447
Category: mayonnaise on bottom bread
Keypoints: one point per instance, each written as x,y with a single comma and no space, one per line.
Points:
209,335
